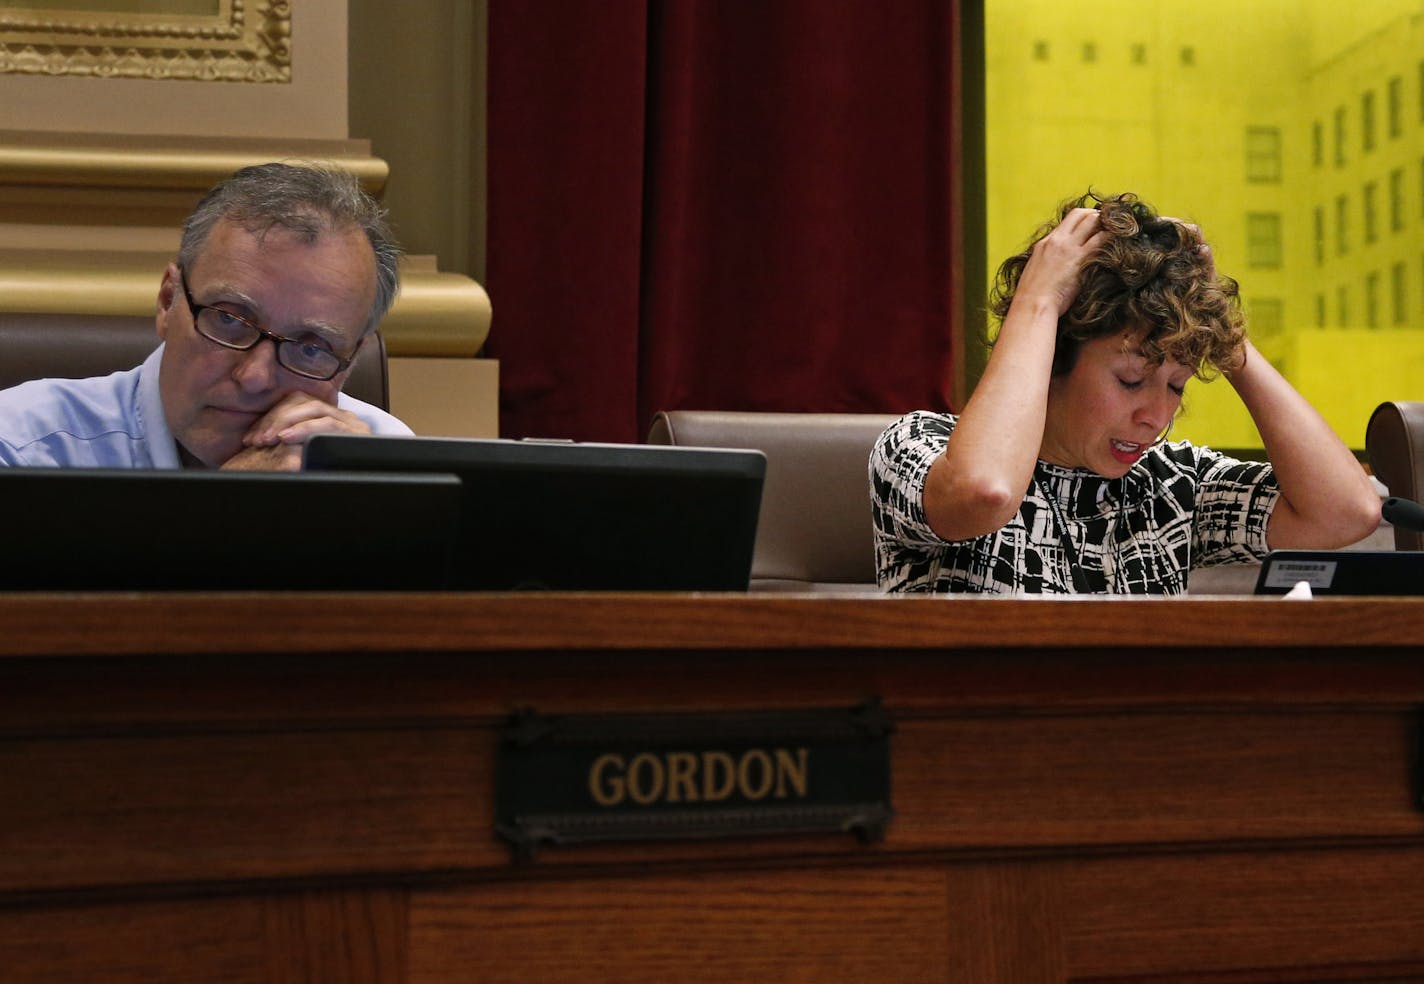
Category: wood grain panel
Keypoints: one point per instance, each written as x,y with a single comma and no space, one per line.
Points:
416,688
171,807
356,937
1006,923
243,806
1291,914
216,941
1122,778
1352,974
776,926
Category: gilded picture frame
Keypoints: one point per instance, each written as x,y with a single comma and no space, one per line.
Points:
192,40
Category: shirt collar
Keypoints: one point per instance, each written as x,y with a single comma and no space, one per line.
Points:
162,448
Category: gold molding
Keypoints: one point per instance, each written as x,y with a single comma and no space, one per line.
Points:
67,160
81,180
436,314
244,41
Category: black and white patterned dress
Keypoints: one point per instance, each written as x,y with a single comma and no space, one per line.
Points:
1179,507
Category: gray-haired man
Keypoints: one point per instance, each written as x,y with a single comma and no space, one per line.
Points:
282,273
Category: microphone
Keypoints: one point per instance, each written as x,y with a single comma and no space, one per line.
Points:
1404,513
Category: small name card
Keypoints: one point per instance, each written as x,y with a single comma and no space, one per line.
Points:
586,778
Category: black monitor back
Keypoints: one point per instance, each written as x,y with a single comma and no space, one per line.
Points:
1343,572
121,529
582,516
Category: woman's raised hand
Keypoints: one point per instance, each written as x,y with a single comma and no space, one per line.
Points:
1051,274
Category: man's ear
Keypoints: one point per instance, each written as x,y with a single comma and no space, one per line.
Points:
169,292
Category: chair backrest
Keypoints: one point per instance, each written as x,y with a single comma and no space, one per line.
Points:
1394,441
72,346
814,529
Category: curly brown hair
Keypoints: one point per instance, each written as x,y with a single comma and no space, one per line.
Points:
1151,276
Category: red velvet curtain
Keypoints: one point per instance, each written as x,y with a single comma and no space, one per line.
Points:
718,205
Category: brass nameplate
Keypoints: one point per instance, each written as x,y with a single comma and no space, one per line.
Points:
572,779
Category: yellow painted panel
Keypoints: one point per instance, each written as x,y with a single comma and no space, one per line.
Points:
1161,98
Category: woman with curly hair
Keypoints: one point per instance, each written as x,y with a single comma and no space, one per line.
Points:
1057,476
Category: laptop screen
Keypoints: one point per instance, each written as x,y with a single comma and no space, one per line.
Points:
1343,572
573,516
82,529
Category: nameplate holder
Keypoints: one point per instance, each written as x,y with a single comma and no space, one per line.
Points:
563,780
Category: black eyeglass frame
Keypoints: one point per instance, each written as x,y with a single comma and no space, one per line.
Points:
278,341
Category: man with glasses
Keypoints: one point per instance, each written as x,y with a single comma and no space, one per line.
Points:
282,274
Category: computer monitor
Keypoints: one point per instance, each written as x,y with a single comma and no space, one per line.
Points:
582,516
1343,572
123,529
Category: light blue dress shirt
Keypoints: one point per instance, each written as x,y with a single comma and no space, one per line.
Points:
111,421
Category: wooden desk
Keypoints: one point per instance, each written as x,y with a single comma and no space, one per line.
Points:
298,788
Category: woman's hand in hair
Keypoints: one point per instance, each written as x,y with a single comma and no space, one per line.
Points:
1051,275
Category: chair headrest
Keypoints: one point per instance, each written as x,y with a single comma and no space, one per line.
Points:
815,523
1394,442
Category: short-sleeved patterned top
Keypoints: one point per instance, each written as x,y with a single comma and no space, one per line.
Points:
1179,506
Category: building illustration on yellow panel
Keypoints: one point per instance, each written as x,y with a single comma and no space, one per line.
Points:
1291,132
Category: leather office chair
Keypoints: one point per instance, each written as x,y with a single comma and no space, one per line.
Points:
72,346
814,530
1394,441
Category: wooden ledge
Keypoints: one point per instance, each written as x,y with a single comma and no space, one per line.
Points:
319,622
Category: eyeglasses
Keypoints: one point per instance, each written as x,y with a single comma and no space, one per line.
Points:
309,357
